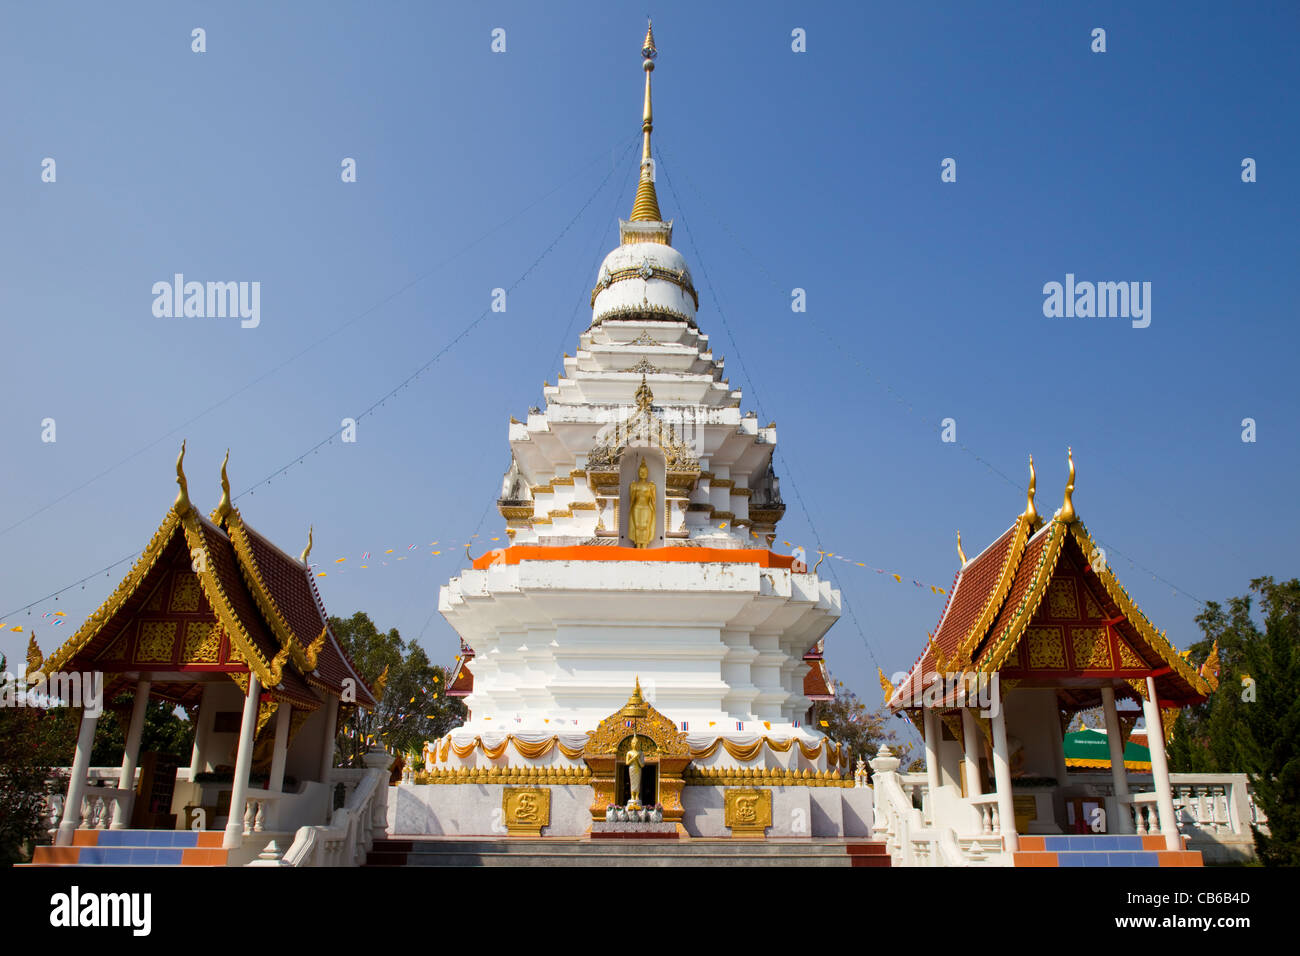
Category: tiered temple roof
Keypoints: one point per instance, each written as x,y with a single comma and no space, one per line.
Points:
1041,607
212,594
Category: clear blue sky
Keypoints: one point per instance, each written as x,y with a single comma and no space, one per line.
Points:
925,299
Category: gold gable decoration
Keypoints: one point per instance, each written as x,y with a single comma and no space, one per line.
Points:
666,750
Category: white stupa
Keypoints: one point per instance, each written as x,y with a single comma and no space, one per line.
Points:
714,623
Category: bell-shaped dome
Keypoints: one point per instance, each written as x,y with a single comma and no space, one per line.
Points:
644,280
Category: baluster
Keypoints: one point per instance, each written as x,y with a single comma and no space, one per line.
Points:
1139,820
997,820
102,817
248,817
259,820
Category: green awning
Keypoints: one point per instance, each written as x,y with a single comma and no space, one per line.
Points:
1089,749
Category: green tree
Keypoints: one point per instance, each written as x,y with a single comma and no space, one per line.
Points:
860,731
165,731
1251,723
33,741
414,706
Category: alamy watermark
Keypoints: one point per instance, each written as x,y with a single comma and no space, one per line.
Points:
59,689
1102,300
210,300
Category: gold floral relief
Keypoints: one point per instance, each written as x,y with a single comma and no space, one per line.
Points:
185,593
1062,602
1127,658
202,643
1013,659
1091,649
1091,610
1046,648
157,642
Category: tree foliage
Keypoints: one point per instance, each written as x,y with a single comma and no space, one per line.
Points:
859,730
1251,723
33,741
414,707
165,731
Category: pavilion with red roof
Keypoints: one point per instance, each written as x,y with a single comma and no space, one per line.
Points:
215,617
1037,628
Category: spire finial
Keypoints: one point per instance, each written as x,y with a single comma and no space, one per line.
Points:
182,503
1031,513
646,206
307,550
1066,514
224,506
960,553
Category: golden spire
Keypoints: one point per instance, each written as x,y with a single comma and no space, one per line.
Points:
307,550
182,503
1066,514
36,660
224,506
646,206
1031,513
960,553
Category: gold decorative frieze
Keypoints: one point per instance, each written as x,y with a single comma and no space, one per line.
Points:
583,506
1061,601
516,512
722,483
1046,648
157,642
546,776
185,593
1091,648
542,490
763,777
562,481
526,810
748,812
742,492
202,643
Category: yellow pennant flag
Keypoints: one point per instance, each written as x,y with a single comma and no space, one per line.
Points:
824,724
898,578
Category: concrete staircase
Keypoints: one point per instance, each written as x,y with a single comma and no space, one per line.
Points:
1103,849
136,848
558,851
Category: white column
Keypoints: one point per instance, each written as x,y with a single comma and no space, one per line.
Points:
77,780
970,741
243,761
202,728
930,721
281,746
327,744
1160,769
1118,774
131,755
1002,774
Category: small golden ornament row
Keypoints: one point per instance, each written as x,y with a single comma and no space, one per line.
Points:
507,775
763,777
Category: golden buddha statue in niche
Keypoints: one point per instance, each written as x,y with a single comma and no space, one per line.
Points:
634,764
641,508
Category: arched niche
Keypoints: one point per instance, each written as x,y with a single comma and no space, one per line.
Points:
629,463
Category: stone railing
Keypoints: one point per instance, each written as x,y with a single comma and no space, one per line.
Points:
901,825
351,832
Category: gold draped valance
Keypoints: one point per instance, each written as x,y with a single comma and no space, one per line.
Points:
533,750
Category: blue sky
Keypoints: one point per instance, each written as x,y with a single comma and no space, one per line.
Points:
818,170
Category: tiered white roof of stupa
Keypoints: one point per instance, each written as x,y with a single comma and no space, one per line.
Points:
714,624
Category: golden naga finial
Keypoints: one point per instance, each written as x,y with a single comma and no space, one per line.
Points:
1066,514
380,683
312,651
182,503
1031,513
645,208
960,553
35,659
224,506
307,550
885,684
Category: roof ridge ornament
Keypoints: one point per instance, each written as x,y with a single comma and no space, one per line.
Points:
960,553
224,506
1066,515
1031,513
182,503
307,550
